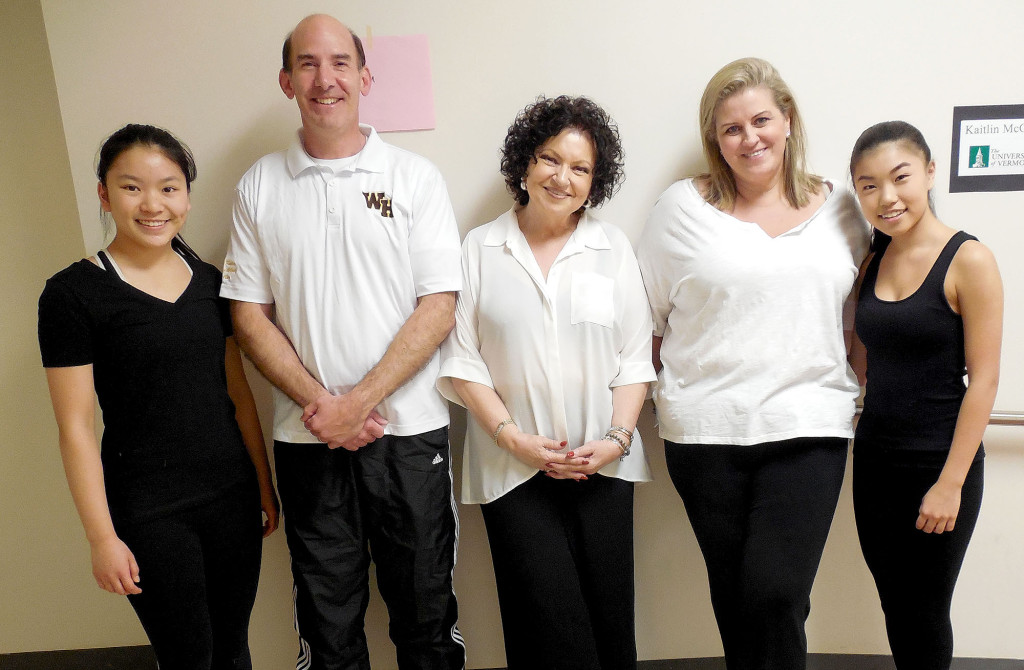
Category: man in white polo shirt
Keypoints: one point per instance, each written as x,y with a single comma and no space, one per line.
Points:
342,271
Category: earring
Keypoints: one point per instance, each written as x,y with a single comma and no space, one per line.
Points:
787,133
586,203
522,184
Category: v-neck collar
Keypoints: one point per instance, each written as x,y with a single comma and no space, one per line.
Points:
750,225
506,232
110,265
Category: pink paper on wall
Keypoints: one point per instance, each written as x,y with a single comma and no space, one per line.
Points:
401,97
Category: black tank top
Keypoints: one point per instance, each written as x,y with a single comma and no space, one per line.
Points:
915,366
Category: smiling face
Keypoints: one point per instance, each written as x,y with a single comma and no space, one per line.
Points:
892,182
751,132
559,176
147,196
325,78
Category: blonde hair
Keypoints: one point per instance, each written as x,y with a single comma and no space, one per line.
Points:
735,77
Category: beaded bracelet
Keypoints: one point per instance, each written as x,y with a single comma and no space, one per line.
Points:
622,430
501,427
623,447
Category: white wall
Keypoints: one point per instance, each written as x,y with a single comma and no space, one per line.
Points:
207,70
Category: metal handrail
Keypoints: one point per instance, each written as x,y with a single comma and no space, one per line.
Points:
1001,418
996,418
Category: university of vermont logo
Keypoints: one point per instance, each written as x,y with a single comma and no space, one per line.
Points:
379,200
979,157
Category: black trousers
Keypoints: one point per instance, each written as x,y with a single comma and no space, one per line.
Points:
915,572
761,514
563,563
391,500
198,572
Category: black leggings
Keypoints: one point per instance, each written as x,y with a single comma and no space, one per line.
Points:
563,563
915,572
198,571
761,514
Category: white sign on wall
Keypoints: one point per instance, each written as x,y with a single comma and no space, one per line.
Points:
988,149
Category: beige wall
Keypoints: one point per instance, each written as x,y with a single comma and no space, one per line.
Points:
207,70
46,585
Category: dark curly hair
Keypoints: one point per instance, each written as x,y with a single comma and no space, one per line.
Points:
547,117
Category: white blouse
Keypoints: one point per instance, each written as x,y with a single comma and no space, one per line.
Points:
753,347
552,349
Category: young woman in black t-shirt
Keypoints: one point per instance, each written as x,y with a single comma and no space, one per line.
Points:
171,501
929,310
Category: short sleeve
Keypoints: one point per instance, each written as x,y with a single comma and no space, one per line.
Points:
856,227
224,310
634,322
460,352
66,333
434,248
246,276
223,304
654,256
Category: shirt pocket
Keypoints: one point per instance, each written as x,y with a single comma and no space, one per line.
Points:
592,299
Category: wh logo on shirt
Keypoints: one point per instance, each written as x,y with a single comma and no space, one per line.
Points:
379,200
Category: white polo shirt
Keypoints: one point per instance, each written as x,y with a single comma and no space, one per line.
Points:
344,249
552,350
753,347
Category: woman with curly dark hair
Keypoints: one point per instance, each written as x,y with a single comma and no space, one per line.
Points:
551,355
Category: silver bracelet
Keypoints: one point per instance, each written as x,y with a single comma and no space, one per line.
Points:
623,447
501,427
625,432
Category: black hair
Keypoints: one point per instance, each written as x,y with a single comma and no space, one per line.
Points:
546,118
883,133
136,134
888,131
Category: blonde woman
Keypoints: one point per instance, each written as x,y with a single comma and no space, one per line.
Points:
747,268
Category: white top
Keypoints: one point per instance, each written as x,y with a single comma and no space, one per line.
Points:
753,347
344,255
551,349
117,268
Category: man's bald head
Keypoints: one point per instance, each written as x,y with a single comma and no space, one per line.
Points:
312,21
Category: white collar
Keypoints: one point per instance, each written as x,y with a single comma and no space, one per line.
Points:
369,159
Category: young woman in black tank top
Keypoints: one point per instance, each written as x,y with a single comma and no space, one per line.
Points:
930,309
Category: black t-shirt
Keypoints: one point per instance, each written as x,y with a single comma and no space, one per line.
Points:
170,438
